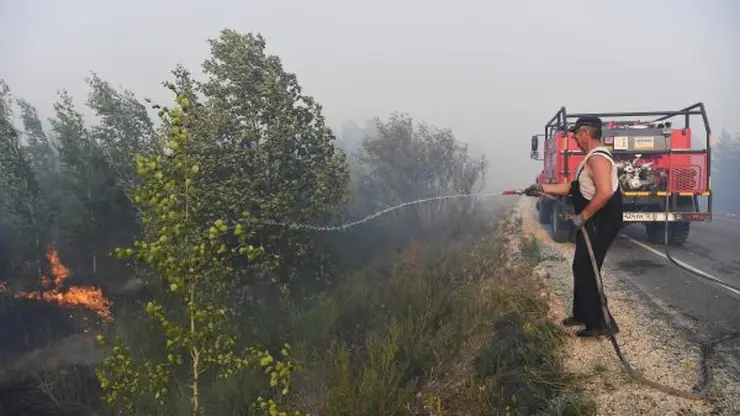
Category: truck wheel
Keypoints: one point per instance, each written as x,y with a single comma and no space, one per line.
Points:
655,233
561,227
678,232
545,211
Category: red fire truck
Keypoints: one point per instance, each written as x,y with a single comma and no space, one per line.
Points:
659,173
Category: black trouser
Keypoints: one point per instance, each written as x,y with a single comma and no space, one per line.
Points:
586,299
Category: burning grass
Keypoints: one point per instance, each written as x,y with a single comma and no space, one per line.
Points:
44,365
54,290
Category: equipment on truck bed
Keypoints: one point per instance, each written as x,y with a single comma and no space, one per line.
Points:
661,176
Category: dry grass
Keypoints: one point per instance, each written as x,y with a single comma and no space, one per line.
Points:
455,330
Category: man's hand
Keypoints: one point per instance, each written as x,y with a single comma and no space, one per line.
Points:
534,190
578,221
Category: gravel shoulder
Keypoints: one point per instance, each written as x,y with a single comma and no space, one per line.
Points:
651,342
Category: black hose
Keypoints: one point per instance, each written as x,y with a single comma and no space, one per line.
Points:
679,264
706,347
702,388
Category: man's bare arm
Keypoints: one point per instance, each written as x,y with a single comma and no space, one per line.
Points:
601,174
556,188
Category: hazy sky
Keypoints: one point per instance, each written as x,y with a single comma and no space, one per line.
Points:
493,71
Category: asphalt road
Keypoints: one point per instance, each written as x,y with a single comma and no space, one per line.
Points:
713,248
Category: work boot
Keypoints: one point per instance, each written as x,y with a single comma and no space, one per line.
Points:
571,321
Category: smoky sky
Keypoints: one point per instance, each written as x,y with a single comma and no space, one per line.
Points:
492,71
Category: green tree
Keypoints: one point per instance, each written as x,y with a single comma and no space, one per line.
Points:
40,148
94,214
99,161
24,200
270,150
191,258
125,128
406,160
43,161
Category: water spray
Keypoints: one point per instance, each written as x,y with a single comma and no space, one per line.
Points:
346,226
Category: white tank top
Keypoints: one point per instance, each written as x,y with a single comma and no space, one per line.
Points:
586,184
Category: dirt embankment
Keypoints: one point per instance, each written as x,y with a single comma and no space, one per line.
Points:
652,345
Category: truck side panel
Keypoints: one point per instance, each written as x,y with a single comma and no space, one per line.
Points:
565,141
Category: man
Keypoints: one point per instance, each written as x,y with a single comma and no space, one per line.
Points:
597,204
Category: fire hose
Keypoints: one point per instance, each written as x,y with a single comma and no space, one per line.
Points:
702,389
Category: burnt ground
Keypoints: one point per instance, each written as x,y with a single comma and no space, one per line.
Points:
32,332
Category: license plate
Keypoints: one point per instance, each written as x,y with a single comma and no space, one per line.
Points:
647,216
644,143
638,216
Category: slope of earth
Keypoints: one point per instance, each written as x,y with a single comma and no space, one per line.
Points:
650,341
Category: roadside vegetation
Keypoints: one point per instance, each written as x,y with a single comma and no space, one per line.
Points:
181,254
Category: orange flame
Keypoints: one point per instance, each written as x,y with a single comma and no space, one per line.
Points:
87,297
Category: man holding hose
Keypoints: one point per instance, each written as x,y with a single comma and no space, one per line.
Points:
597,204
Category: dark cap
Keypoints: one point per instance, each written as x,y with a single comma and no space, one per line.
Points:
586,121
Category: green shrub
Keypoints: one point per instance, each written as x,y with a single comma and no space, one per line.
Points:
378,342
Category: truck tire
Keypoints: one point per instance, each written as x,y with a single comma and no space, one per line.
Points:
654,232
561,226
545,211
678,232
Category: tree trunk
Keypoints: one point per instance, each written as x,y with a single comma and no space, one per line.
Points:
195,353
